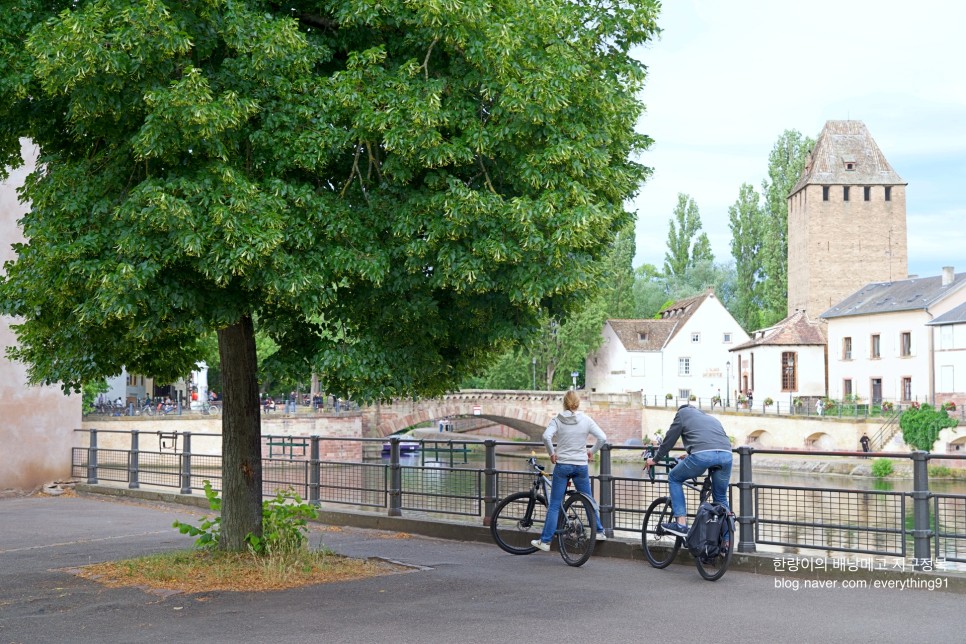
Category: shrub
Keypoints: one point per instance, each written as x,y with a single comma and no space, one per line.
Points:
921,425
284,520
769,402
881,467
669,396
949,406
692,397
939,471
888,405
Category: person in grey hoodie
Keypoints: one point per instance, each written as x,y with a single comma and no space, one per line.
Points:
571,429
708,447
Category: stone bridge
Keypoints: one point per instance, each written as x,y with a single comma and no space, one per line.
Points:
525,412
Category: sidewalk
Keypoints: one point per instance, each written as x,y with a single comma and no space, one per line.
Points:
462,591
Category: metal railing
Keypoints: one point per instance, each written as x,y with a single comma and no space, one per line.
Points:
930,527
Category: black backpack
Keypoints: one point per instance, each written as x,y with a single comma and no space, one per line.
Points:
704,538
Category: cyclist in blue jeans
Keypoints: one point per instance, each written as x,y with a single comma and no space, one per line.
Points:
707,446
570,458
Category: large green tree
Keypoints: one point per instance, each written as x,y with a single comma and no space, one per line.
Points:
387,190
686,243
785,164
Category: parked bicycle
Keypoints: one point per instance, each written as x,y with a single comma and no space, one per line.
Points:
661,547
208,409
519,518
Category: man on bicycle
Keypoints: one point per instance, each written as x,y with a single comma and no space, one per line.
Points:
707,446
570,461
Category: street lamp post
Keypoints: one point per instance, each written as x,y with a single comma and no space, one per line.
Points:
574,374
727,384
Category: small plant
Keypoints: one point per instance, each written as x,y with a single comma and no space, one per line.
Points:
668,396
797,402
888,405
949,405
692,397
768,402
284,520
939,471
716,400
827,404
881,468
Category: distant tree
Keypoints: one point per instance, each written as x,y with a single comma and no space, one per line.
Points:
388,190
785,164
686,244
650,291
745,221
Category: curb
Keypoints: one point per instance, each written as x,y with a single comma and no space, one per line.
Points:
776,565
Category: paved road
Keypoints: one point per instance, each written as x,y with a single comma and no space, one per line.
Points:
460,592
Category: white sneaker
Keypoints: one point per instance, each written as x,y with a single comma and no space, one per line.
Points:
601,536
540,545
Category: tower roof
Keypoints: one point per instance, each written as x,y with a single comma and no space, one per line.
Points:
846,154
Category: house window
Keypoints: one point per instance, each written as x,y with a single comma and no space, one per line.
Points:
789,371
888,193
641,336
905,344
726,338
846,348
875,353
825,193
695,337
845,193
867,193
850,165
906,389
847,387
684,394
684,366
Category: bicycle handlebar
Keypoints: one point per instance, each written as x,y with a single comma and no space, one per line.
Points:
666,462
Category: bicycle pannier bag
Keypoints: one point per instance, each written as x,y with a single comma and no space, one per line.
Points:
705,534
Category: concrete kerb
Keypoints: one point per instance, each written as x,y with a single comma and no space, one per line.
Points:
757,563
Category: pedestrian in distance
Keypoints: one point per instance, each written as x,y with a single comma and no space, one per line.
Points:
707,446
570,428
865,442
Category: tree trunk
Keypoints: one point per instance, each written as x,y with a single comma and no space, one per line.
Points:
241,436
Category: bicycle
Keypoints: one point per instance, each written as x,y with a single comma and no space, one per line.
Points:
663,547
210,409
514,522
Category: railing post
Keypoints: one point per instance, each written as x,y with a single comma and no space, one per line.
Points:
314,465
134,462
747,519
606,490
395,478
185,461
921,529
92,458
489,480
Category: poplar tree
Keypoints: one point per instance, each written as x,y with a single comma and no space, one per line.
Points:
686,244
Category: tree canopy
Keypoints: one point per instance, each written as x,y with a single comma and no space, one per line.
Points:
387,190
686,243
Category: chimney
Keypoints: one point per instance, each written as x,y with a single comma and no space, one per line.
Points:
949,276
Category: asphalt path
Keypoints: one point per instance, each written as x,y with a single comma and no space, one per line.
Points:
454,591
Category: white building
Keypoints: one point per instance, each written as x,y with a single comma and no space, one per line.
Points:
782,363
949,360
880,346
682,353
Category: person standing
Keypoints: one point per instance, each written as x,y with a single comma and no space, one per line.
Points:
708,446
865,442
571,429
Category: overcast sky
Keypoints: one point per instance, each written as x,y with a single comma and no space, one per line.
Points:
727,78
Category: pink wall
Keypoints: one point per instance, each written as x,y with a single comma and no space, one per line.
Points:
36,423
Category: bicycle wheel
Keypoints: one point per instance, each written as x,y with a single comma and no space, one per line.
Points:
576,530
660,547
213,411
713,568
517,520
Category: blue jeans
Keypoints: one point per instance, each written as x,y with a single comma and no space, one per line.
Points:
563,472
695,465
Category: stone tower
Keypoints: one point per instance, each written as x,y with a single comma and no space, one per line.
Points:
846,220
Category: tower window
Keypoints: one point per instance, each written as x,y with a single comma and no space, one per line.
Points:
849,166
888,193
845,193
867,193
825,193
